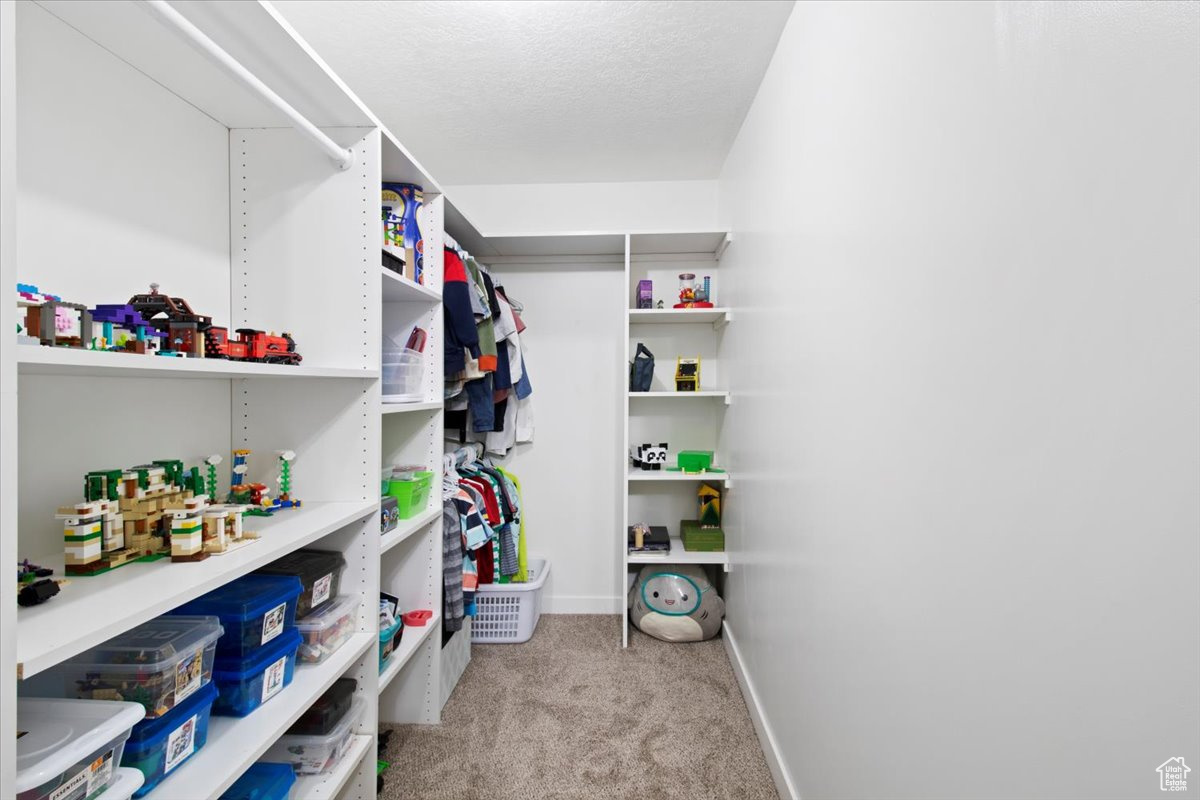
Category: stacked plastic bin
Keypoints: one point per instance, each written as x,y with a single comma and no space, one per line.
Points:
320,738
70,749
256,656
165,666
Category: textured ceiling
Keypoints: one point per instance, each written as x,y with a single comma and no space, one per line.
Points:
545,92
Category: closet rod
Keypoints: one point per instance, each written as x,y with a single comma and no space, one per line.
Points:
173,19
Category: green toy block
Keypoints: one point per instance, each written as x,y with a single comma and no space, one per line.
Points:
698,539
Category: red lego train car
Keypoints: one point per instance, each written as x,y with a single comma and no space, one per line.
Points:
251,345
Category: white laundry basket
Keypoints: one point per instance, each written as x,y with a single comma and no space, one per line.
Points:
507,613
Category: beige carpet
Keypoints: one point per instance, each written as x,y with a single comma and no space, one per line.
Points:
570,716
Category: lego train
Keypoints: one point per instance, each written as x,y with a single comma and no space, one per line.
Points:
250,345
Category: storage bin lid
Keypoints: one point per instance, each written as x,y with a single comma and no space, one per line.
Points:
247,597
237,669
262,781
152,646
55,735
150,733
338,731
315,721
308,565
328,615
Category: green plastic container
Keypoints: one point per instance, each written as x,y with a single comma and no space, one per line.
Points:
411,496
695,460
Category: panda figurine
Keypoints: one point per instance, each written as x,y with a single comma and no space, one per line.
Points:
675,603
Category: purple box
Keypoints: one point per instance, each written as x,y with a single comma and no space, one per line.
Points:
645,294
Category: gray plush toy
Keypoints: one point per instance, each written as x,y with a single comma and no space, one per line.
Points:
675,603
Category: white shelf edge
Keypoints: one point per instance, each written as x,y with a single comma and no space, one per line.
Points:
399,289
681,395
680,556
638,476
39,360
717,317
404,652
327,785
407,528
234,743
137,592
400,408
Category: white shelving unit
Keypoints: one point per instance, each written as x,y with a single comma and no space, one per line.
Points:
412,641
682,420
186,178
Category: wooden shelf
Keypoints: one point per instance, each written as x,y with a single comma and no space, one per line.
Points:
132,594
410,642
398,289
400,408
326,785
234,743
408,527
680,556
717,317
38,360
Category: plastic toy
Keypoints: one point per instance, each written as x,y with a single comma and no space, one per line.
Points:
687,374
675,603
34,584
251,345
144,513
52,321
417,617
649,457
123,328
694,462
688,292
710,506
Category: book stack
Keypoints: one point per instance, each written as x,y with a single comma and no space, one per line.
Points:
655,540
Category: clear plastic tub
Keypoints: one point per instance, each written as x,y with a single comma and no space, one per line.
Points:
125,783
388,639
254,610
310,755
327,629
262,781
323,715
401,372
319,571
247,683
159,664
157,746
70,749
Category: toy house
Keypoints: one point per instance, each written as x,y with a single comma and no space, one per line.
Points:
123,328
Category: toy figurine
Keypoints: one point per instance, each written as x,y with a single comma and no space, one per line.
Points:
648,457
687,374
34,584
688,293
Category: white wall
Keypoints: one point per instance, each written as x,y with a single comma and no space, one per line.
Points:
551,208
575,314
965,429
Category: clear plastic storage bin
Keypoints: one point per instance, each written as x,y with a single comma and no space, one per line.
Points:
70,749
159,664
254,610
326,630
157,746
310,755
320,574
401,373
247,683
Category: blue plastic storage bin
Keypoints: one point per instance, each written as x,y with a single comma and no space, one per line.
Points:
254,610
246,683
158,746
263,781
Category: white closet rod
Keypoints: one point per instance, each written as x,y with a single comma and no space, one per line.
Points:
173,19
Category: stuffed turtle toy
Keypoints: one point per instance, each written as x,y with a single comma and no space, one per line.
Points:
675,603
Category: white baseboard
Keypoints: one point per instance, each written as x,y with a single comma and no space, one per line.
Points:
580,604
766,738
